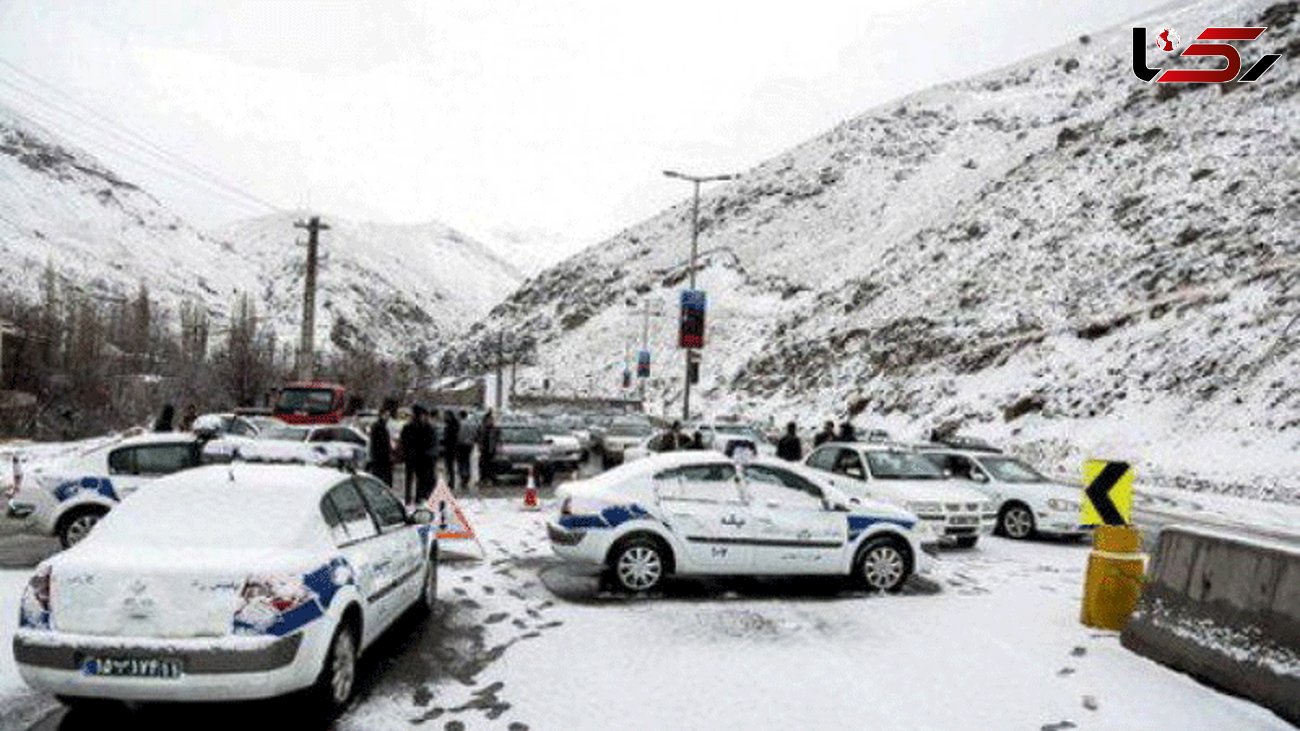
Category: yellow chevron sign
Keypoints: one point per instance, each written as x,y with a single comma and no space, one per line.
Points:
1108,493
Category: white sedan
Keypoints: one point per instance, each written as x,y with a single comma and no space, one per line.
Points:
1027,503
65,498
958,514
701,513
227,582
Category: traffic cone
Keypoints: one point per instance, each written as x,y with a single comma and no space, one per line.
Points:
530,492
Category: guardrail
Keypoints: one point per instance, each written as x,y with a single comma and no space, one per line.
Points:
1226,610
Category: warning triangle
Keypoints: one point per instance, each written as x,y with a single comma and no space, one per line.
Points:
447,516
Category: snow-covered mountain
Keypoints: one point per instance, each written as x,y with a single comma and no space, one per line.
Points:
390,285
1055,253
393,286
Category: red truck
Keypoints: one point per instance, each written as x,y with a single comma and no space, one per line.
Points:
310,402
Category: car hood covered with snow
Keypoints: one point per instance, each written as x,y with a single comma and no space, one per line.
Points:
904,491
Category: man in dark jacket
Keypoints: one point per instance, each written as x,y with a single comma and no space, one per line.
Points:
417,453
827,434
450,442
789,448
381,444
464,449
847,432
487,447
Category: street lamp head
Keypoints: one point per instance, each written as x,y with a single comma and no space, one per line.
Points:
673,174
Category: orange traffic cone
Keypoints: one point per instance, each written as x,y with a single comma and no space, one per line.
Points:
530,492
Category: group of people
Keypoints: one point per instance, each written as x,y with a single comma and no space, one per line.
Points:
420,444
790,447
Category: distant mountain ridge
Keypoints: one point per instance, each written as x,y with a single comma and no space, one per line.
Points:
392,286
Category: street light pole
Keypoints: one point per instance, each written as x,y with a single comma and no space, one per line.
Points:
695,239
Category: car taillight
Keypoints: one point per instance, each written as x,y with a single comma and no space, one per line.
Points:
264,599
34,610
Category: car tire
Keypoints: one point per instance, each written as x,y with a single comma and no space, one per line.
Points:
638,565
337,680
74,526
882,564
967,541
1016,521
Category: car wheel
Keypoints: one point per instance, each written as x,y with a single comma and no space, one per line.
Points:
882,565
967,541
75,526
339,675
1016,522
639,565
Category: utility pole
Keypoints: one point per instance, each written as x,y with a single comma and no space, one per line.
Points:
307,345
501,347
691,355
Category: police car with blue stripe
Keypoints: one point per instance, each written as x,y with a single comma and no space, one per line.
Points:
228,582
700,512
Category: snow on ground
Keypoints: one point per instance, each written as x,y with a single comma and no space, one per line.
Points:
990,640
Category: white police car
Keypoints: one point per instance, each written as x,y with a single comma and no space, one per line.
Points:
699,512
1027,503
67,497
227,582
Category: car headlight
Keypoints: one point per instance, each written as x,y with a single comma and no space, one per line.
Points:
921,508
1062,505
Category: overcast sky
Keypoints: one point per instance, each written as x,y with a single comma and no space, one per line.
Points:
551,118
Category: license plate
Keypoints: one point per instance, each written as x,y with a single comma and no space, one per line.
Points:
132,667
963,520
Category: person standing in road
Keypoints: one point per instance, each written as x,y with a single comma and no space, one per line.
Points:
827,434
847,432
487,447
450,443
672,439
697,440
165,419
417,454
464,450
381,444
188,416
789,448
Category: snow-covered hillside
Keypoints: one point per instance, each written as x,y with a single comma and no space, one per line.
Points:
1054,253
389,285
396,285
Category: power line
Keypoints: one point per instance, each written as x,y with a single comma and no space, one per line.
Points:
123,135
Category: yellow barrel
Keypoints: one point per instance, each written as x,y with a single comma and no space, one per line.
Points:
1113,583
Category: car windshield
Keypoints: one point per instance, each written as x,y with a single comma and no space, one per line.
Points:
521,435
284,433
902,466
1010,469
309,400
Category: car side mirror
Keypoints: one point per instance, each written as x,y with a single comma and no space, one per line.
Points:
834,505
422,516
979,477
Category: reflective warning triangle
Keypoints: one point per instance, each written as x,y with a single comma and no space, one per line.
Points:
447,516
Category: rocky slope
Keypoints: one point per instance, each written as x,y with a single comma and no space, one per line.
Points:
385,287
1054,253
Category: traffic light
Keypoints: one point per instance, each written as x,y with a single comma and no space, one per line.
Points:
691,329
627,378
643,364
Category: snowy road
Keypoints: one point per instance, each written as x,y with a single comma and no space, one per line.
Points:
990,640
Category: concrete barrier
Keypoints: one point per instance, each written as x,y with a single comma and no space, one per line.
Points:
1226,610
